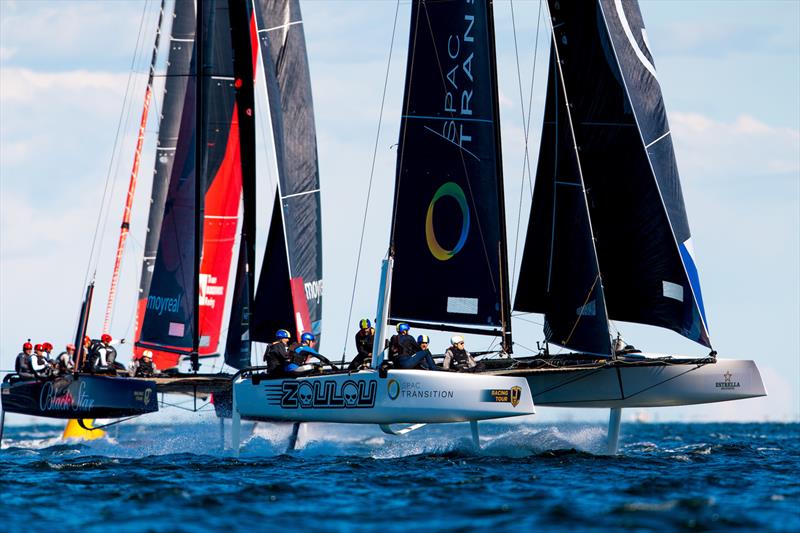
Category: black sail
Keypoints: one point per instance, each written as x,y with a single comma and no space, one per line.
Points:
448,230
299,236
561,273
633,190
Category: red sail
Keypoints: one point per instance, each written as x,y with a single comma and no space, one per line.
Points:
219,238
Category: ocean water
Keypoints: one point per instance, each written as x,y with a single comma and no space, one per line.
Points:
707,477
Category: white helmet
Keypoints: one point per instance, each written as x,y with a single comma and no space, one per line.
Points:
455,339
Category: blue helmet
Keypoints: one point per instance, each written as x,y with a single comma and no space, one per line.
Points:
364,323
423,339
282,334
307,337
402,327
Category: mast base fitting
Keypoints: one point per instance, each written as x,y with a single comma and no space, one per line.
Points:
383,370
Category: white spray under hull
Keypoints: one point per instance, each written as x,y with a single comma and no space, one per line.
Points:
643,384
403,396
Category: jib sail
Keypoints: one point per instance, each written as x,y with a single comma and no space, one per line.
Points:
632,189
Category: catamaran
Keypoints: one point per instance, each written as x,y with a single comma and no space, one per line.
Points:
608,236
380,395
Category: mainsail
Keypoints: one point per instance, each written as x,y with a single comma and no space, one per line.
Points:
171,304
448,228
289,289
603,70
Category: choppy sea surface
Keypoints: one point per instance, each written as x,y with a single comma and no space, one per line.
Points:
708,477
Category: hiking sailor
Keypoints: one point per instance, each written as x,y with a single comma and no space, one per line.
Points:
365,337
22,365
304,352
456,357
402,344
410,353
144,367
103,354
277,355
64,363
40,365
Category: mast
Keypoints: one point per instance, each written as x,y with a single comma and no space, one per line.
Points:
199,187
505,300
126,213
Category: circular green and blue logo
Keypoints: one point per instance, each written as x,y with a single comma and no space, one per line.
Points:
452,190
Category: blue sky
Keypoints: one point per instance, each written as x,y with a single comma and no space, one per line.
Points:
729,71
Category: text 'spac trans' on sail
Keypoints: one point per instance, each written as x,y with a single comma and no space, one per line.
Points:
448,228
602,69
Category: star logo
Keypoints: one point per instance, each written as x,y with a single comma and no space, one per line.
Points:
727,376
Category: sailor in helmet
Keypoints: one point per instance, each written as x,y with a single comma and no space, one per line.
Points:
144,367
22,365
456,357
410,353
65,362
277,355
304,352
39,363
365,338
402,343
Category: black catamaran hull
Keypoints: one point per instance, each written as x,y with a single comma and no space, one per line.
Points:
643,383
84,396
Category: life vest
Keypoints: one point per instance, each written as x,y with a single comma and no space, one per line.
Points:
144,368
460,357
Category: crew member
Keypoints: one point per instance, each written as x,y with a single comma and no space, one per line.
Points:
402,344
88,357
277,355
41,366
304,352
456,357
365,338
407,358
65,362
22,365
144,367
103,354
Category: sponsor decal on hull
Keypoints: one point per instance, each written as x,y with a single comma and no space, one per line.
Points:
55,399
414,389
512,395
728,383
325,394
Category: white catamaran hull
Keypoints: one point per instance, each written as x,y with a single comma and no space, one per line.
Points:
644,385
403,396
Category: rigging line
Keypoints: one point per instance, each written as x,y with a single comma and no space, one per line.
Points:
526,162
100,223
463,160
371,175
